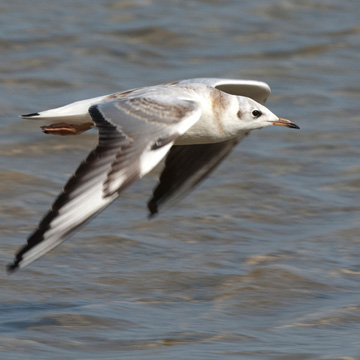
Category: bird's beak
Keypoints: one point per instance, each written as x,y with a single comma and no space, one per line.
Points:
285,122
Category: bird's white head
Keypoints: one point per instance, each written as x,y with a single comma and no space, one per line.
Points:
252,115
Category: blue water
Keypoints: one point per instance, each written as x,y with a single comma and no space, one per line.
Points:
261,261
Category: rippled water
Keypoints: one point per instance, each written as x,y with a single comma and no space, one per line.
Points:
262,260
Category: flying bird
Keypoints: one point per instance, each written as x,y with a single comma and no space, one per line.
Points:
194,123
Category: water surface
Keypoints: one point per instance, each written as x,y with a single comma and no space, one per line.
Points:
261,261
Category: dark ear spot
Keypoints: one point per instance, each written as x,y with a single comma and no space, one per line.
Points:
239,114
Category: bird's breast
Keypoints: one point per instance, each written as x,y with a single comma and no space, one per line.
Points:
216,122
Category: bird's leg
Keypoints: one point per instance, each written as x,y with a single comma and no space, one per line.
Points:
64,129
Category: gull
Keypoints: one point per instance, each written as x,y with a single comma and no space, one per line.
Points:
194,123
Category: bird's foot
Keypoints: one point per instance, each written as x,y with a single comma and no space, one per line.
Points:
64,129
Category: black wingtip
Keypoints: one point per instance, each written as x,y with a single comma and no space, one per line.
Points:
153,212
152,206
11,268
29,115
151,215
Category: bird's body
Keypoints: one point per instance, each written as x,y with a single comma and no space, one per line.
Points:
196,122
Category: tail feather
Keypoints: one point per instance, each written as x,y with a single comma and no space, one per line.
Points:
27,116
76,113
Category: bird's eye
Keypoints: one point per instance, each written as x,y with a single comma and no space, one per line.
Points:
256,113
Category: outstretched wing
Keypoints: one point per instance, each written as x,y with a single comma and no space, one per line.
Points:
134,135
186,166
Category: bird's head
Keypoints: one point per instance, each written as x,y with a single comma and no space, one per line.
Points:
253,115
